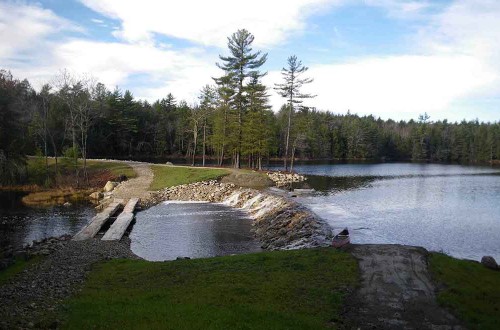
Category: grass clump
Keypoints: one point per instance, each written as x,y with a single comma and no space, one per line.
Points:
273,290
471,290
17,267
169,176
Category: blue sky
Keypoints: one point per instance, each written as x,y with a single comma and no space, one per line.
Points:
390,58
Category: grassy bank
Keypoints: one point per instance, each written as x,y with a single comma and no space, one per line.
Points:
469,289
98,171
168,176
273,290
61,187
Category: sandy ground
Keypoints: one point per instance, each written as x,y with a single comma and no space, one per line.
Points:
396,291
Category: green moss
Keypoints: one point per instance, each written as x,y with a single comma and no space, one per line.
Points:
168,176
273,290
471,290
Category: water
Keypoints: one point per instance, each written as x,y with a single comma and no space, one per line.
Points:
450,208
20,225
196,230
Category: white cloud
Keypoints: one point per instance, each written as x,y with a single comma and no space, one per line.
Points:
403,9
396,84
181,73
25,26
455,58
209,22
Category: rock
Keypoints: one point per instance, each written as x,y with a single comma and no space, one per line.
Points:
169,163
110,185
122,177
96,195
489,262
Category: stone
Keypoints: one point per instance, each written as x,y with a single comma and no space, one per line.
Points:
489,262
96,195
122,177
110,185
169,163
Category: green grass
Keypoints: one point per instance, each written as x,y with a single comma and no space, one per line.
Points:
168,176
273,290
471,290
115,168
66,167
18,266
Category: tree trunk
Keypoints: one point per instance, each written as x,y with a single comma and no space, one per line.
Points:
195,140
204,140
290,108
293,157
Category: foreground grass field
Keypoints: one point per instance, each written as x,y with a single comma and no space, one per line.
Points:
470,290
273,290
168,176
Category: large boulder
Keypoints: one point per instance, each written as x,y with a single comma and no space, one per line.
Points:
110,185
489,262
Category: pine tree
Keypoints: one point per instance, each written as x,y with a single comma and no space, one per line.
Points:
241,64
256,126
290,90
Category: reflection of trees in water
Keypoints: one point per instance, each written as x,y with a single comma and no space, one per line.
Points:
336,184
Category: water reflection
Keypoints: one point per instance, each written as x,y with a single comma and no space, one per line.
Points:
20,225
195,230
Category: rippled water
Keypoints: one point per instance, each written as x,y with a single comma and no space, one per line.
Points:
20,225
449,208
195,230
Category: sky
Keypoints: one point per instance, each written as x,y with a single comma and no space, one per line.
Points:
388,58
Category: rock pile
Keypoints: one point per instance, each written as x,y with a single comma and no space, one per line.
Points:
279,223
282,179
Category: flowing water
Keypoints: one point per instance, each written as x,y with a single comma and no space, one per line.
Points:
195,230
450,208
20,225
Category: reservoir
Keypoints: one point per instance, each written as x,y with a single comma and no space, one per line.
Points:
450,208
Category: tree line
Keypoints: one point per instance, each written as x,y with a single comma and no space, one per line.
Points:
232,123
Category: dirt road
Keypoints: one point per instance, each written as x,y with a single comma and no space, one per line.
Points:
396,291
138,186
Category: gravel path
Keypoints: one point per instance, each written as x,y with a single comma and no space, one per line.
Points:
396,291
33,295
138,186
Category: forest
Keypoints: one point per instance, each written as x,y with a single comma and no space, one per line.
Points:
232,124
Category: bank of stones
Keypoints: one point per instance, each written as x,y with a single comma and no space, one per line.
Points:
30,299
281,179
279,223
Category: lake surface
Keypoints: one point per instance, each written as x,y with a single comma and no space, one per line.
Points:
20,225
450,208
196,230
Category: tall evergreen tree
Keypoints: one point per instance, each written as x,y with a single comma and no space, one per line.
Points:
290,89
238,66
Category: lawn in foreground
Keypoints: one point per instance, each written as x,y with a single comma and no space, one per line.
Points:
471,290
272,290
169,176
